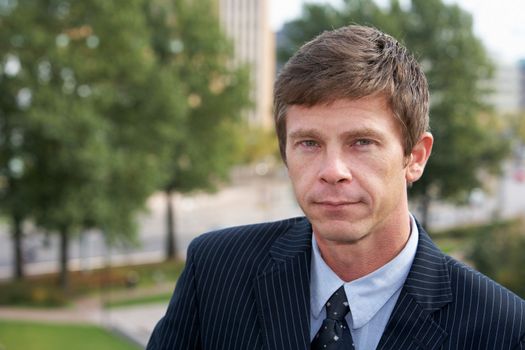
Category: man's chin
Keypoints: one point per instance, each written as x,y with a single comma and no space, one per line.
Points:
338,231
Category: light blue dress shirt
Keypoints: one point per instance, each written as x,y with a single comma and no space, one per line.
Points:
372,297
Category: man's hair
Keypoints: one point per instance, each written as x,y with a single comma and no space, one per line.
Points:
350,63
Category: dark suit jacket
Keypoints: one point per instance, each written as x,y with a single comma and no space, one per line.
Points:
248,288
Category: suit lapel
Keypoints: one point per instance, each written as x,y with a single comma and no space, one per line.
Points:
283,290
426,290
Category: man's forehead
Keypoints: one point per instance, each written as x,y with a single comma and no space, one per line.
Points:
368,115
379,99
364,105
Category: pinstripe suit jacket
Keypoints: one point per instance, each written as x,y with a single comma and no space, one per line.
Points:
248,288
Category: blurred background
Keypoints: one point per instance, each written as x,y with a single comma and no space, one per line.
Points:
127,128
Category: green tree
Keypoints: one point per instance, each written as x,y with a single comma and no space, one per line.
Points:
498,253
259,144
14,195
188,39
517,127
88,120
455,62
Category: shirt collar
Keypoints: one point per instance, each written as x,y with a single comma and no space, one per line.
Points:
368,294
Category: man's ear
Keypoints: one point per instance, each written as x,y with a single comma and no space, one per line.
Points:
418,158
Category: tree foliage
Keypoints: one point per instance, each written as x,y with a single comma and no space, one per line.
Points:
455,62
102,104
189,40
87,116
195,46
498,253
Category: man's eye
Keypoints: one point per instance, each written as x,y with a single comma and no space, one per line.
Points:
364,142
309,143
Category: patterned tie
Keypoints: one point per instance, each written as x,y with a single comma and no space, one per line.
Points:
334,333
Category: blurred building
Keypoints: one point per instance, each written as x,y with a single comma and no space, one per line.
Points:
507,90
246,22
521,73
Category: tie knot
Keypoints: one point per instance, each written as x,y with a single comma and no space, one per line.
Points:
337,306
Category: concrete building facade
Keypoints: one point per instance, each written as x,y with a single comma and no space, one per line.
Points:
521,73
246,22
506,88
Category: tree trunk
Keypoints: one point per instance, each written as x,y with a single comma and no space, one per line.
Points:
171,242
18,272
64,257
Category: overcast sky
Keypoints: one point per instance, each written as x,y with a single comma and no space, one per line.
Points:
499,23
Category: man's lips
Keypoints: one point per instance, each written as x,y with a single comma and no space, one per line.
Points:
334,203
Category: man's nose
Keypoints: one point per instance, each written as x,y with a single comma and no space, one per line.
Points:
334,169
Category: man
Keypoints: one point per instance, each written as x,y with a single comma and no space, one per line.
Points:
351,113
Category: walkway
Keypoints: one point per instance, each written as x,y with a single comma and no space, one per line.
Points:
135,322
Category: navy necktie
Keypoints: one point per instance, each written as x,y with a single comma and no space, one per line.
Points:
334,333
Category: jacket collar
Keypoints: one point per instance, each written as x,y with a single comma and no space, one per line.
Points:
282,289
426,290
296,240
429,268
283,294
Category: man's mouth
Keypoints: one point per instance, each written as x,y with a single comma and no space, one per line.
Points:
335,203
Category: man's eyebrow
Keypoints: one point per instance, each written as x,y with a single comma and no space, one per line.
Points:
304,133
363,132
352,134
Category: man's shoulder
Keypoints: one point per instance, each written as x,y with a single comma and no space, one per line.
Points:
469,290
239,240
462,277
479,292
466,279
465,302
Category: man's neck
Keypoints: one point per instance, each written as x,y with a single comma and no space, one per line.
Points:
351,261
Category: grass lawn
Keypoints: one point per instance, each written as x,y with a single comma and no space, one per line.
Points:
21,335
148,299
43,291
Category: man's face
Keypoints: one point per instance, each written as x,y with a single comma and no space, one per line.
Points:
347,167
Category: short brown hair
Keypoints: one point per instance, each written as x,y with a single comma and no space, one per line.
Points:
350,63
